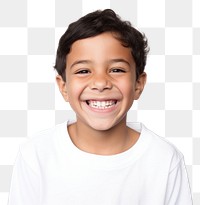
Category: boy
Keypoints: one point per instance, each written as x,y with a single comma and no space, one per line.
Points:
99,158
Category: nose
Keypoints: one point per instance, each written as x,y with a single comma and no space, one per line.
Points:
100,82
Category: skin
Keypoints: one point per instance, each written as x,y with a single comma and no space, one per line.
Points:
100,68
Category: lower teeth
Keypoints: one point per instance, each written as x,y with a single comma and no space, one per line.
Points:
100,107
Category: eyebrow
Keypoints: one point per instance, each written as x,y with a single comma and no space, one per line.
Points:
115,60
119,60
80,62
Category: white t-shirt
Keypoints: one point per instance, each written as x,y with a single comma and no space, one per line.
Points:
51,170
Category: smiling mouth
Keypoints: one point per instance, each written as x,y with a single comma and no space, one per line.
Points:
101,104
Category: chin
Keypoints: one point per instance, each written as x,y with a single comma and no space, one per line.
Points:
100,127
104,126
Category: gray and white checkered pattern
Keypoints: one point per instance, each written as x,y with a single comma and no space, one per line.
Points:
30,100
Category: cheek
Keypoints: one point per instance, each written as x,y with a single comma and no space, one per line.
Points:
127,88
74,89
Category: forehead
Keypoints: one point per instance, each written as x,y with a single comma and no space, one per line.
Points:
102,47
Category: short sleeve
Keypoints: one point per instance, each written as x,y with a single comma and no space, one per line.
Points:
178,190
25,184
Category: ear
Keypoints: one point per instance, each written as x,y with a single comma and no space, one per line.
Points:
62,87
139,85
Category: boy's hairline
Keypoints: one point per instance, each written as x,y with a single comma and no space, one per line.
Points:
63,75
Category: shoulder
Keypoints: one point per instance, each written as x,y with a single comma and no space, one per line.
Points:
44,136
166,151
159,150
42,144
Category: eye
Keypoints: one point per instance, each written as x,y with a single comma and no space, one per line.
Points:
117,70
83,71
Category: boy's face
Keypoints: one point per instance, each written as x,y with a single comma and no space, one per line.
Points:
100,81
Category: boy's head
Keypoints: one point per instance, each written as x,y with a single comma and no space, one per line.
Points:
96,23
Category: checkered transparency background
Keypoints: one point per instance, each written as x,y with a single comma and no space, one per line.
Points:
30,100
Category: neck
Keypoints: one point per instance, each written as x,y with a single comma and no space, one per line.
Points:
103,142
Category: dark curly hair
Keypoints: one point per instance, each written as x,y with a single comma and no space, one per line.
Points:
99,22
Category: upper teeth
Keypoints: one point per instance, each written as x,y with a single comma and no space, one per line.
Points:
101,104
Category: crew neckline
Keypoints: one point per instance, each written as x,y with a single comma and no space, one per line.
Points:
81,158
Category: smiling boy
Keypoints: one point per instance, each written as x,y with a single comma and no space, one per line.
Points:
100,87
100,158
